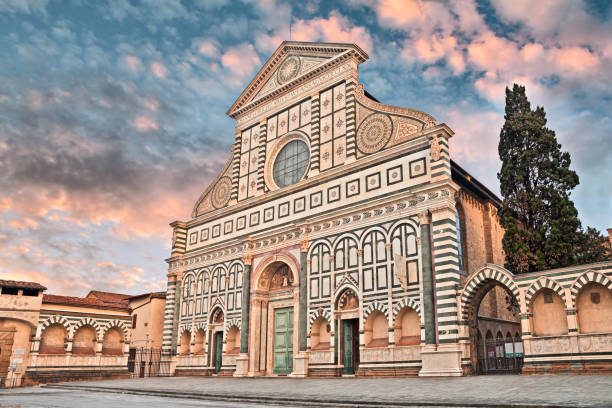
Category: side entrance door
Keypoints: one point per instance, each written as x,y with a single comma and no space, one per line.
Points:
350,345
218,350
283,340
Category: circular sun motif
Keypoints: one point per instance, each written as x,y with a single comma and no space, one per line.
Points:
374,133
221,192
289,69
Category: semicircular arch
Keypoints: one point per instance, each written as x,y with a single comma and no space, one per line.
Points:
486,273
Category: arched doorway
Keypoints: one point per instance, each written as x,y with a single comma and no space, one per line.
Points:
347,313
274,317
217,322
491,308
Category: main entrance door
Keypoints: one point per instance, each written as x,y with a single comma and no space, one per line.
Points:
283,340
218,355
350,345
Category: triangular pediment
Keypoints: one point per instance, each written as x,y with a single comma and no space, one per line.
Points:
292,63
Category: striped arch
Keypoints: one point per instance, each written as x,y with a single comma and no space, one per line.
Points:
56,320
406,302
228,325
371,229
316,314
322,241
216,305
376,305
200,325
183,327
351,235
237,261
117,323
588,277
409,221
345,283
85,322
543,283
486,272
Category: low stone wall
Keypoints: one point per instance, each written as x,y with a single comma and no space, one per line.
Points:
34,377
571,354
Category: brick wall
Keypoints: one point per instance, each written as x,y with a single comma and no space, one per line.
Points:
482,233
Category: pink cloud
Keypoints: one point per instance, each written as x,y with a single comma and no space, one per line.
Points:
574,60
145,123
400,13
336,28
23,223
158,69
133,63
208,48
241,60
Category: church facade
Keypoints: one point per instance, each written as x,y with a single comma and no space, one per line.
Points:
341,239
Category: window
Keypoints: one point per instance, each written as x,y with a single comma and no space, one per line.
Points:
134,321
291,163
459,243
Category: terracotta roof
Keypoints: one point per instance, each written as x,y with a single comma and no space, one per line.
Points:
108,297
21,285
85,302
158,295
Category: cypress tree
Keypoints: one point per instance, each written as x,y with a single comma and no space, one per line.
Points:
540,221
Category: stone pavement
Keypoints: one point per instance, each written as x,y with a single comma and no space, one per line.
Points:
35,397
482,391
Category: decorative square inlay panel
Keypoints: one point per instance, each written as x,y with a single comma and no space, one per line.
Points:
333,194
283,209
204,235
352,188
316,199
395,175
268,214
299,204
417,168
372,182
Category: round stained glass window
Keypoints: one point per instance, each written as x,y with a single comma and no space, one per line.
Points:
291,163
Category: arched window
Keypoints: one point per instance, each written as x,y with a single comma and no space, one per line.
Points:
84,341
320,335
594,309
320,272
549,317
405,255
199,340
345,254
374,261
233,340
376,332
112,343
52,339
184,345
407,328
187,306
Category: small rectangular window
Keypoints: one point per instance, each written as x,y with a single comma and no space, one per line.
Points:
134,321
10,291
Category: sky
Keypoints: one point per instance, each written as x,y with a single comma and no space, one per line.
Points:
112,113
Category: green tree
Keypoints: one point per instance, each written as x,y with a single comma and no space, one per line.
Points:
593,247
540,221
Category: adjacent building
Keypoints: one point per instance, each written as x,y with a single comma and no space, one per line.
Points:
50,338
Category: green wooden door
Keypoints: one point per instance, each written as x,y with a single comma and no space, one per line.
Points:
218,351
347,346
283,340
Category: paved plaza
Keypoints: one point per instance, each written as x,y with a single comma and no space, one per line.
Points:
483,391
